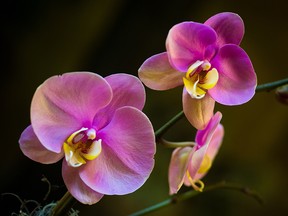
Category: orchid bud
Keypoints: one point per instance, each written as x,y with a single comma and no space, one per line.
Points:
282,94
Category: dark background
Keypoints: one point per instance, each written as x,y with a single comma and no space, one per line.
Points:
42,38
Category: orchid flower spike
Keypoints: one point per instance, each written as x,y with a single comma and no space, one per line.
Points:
97,126
189,165
208,61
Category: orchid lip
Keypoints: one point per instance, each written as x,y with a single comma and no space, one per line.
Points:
199,79
81,146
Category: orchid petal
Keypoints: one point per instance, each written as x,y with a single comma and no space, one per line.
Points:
228,26
186,43
178,166
157,73
212,149
215,141
63,104
77,187
237,78
126,160
208,142
195,163
127,91
204,136
198,111
33,149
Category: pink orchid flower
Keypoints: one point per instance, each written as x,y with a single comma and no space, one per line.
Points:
189,165
208,60
97,125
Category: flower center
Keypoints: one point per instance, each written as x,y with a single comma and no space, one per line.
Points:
199,79
80,146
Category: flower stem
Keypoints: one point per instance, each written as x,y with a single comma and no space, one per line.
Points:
170,123
63,205
170,144
272,85
189,194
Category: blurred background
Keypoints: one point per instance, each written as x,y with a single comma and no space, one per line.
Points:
41,38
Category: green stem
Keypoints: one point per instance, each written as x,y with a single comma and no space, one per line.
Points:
63,205
170,144
170,123
189,194
272,85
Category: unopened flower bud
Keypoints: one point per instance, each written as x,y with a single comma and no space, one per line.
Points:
282,94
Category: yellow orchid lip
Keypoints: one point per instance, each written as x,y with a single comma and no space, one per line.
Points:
199,79
82,145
